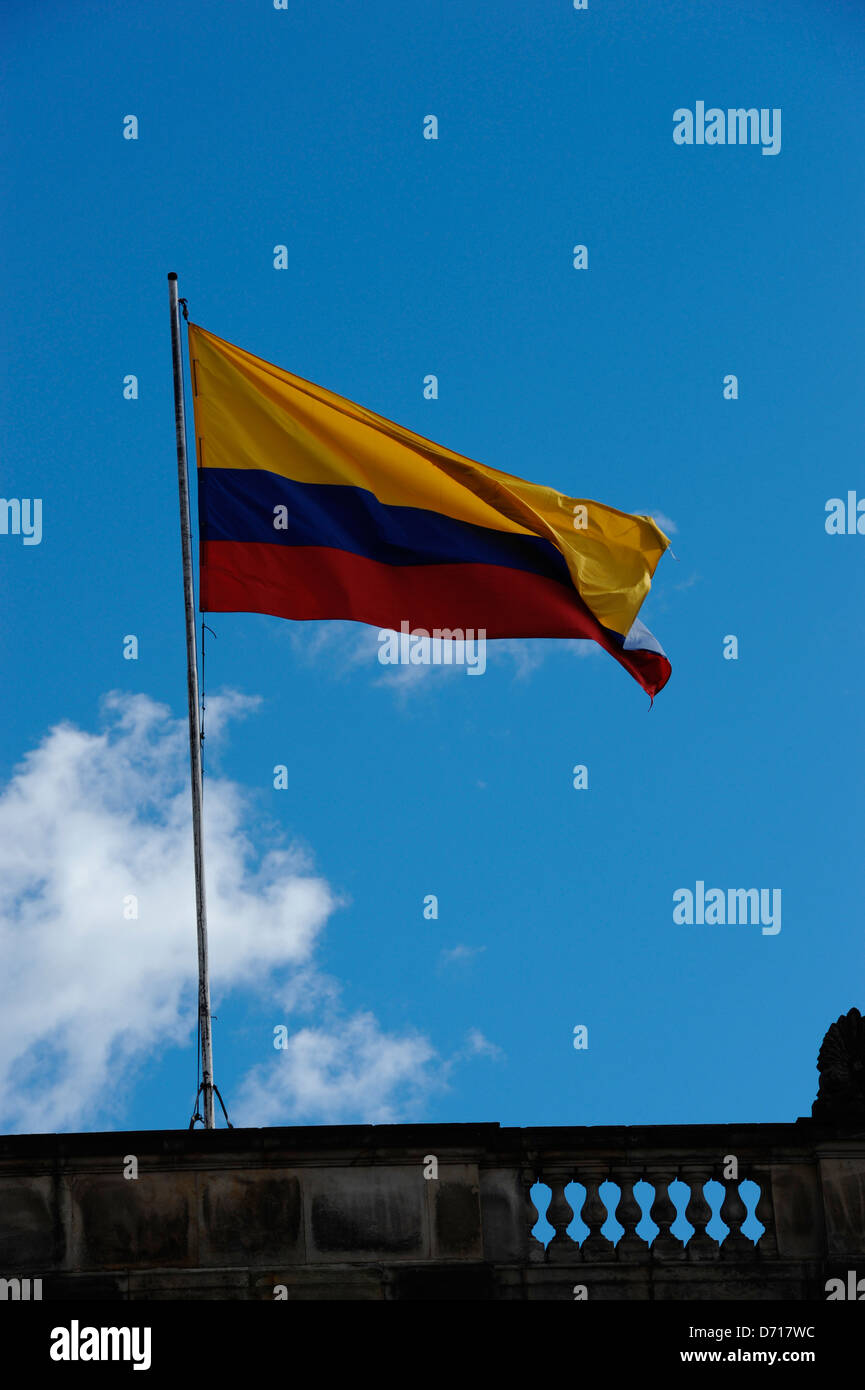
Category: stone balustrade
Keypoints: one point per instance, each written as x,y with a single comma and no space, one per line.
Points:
596,1211
437,1211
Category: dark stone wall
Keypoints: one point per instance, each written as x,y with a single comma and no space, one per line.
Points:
345,1212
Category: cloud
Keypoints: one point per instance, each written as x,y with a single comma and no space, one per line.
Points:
343,649
528,655
324,1074
89,820
479,1046
475,1045
659,517
460,953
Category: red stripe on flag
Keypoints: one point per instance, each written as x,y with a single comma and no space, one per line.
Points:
316,582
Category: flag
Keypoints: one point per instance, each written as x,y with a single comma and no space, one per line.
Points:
311,507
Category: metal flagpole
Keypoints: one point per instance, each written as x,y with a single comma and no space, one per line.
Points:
194,725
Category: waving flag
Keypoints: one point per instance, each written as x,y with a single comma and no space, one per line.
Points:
311,506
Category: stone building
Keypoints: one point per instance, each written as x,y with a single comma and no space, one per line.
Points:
446,1211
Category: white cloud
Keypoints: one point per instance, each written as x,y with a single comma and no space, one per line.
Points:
529,653
460,953
325,1074
479,1046
339,646
88,819
659,518
344,648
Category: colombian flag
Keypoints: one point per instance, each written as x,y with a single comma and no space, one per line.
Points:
313,507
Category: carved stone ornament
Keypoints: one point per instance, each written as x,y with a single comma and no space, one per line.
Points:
841,1064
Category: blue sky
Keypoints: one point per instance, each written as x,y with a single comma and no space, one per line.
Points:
408,256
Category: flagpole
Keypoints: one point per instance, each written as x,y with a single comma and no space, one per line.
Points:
193,702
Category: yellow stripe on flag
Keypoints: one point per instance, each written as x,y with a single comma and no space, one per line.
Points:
252,414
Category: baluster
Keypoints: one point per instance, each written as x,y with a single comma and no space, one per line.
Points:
733,1212
594,1212
535,1247
701,1246
665,1246
628,1214
767,1245
560,1214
